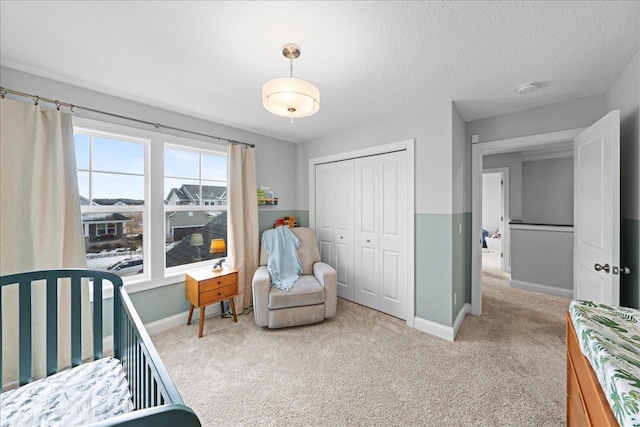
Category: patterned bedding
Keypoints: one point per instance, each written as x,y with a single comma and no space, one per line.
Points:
88,393
610,339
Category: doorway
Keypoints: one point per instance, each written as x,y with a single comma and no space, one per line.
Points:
479,150
495,219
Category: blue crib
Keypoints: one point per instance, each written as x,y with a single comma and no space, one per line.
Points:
155,399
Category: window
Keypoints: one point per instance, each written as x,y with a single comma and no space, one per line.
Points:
196,181
102,229
126,178
111,180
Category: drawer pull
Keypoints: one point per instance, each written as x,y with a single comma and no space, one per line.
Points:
219,293
219,282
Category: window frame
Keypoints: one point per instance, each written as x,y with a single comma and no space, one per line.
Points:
181,269
154,210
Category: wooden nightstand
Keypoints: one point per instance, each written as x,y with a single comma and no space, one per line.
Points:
204,287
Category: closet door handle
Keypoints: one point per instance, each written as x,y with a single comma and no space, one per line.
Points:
599,267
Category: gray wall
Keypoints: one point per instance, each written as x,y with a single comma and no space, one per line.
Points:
547,191
576,113
542,260
624,95
461,218
271,154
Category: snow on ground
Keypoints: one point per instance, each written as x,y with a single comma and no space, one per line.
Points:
104,262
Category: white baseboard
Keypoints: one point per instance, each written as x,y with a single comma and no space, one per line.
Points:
154,328
545,289
466,309
445,332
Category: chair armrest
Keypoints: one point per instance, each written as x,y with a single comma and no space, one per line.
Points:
326,275
261,285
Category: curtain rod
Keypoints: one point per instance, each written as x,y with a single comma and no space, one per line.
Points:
58,104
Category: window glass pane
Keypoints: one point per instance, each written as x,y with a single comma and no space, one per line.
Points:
214,167
82,151
189,236
113,242
117,156
109,188
181,191
180,163
83,185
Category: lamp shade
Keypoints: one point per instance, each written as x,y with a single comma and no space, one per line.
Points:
196,239
290,97
217,246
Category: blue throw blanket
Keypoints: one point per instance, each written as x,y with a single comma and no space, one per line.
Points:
283,263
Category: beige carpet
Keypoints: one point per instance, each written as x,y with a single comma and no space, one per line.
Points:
506,368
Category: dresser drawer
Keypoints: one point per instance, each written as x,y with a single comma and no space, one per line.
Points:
218,294
218,282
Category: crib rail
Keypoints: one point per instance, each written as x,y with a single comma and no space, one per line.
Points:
51,278
155,397
149,381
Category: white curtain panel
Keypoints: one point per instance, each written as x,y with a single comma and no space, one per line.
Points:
242,226
40,224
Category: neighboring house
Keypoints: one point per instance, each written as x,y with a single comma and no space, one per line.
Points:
184,253
189,194
104,228
180,224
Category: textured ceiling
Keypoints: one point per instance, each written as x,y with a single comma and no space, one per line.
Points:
370,60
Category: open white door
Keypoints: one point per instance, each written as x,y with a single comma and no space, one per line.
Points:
596,169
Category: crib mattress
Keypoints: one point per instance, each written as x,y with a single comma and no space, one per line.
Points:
86,394
610,339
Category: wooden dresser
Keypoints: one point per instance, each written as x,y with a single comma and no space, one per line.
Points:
587,406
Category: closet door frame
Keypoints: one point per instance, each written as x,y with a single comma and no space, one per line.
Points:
409,146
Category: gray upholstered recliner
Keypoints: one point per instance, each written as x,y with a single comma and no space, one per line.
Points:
312,298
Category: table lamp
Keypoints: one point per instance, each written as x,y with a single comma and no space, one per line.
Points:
217,247
196,241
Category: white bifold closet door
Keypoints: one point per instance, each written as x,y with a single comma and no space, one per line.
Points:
380,212
361,224
335,221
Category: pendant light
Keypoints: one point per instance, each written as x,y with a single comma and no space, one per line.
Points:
289,96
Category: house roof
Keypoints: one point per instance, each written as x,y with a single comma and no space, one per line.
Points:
190,193
118,202
183,252
104,217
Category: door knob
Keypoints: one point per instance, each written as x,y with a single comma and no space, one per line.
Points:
599,267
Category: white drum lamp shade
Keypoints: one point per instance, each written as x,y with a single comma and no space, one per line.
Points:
290,97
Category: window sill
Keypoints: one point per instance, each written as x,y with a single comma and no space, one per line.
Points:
140,285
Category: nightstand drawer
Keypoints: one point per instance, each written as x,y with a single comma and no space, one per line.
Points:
218,294
218,282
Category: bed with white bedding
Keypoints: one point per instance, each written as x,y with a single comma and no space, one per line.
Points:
91,392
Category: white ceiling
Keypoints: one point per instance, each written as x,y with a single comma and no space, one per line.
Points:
370,60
